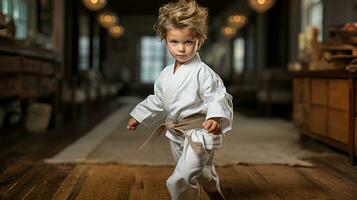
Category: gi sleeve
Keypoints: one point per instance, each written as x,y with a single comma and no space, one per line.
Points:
216,99
151,109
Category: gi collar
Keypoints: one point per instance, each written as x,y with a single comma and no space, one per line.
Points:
195,60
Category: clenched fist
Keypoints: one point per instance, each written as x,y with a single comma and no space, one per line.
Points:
212,126
132,123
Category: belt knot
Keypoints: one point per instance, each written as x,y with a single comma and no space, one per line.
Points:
170,125
181,128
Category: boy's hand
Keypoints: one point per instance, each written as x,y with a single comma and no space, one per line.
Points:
212,126
132,123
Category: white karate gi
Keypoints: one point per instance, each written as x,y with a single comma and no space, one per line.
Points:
193,88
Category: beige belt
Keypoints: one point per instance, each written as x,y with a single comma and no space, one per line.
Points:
178,129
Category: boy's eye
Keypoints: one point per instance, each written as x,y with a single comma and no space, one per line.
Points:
189,42
173,42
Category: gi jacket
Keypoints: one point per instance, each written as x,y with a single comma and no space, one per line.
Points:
193,88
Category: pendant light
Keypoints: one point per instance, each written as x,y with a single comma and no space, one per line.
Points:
261,5
116,31
107,19
94,5
237,20
229,31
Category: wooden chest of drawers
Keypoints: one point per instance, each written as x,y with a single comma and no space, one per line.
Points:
26,77
325,108
29,74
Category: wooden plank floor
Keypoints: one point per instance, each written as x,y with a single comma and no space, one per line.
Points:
108,181
24,175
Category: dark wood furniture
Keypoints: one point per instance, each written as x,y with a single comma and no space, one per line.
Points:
29,74
325,108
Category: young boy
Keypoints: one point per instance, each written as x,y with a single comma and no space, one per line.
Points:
193,99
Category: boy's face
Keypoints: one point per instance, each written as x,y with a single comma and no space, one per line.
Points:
181,43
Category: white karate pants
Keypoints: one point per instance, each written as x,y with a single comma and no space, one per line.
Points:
191,168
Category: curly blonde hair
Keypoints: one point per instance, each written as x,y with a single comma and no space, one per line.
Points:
182,14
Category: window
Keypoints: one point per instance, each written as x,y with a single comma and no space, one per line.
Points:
83,52
312,15
20,17
153,57
83,43
96,48
239,54
5,8
16,10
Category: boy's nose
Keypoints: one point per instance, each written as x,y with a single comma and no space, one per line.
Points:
181,48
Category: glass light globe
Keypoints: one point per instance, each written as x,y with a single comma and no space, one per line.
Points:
229,31
261,5
94,4
107,19
237,20
116,31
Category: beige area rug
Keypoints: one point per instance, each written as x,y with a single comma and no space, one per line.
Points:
252,141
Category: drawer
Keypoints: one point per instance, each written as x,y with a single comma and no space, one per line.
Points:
10,64
48,86
318,120
298,114
338,125
306,90
297,89
31,66
10,86
319,91
306,116
47,68
338,94
30,87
